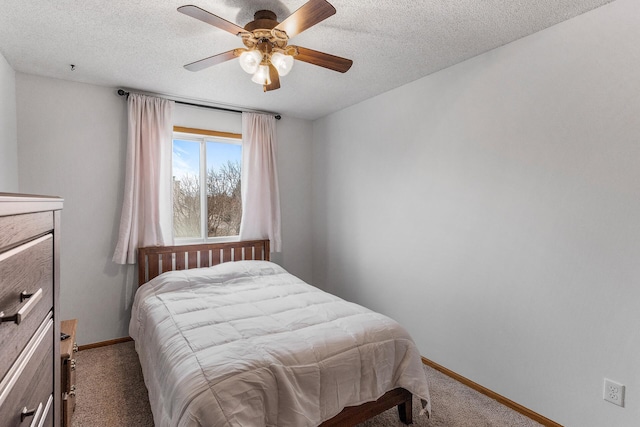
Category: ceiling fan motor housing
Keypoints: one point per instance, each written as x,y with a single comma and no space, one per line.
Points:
262,19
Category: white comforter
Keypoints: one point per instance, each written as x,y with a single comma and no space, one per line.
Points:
248,344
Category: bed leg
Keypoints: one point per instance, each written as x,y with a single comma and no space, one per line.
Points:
405,411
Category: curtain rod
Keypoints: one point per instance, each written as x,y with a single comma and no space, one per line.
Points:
122,92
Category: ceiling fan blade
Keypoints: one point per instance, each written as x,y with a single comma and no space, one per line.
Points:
322,59
210,18
311,13
211,61
275,79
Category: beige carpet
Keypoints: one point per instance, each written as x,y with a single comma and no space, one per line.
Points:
111,392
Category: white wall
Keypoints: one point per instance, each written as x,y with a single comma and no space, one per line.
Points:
505,194
8,129
72,140
294,166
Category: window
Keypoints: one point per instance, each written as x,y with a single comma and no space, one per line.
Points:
211,211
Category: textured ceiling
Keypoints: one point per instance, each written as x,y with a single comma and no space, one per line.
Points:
143,44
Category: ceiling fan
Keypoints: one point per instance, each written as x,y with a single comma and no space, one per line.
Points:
267,55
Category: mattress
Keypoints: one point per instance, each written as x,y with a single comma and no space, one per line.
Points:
248,344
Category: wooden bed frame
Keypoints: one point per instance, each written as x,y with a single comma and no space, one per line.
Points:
155,260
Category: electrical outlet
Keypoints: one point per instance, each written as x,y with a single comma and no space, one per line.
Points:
613,392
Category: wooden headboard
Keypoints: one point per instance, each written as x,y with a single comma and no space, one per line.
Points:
154,260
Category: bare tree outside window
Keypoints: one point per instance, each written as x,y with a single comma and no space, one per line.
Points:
186,207
224,204
222,177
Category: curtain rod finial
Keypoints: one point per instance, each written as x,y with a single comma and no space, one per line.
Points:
278,116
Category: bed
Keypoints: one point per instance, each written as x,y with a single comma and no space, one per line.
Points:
245,343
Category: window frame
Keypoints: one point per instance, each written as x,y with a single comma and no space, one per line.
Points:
202,136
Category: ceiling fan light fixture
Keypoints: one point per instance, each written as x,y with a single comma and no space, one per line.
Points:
250,60
282,62
261,76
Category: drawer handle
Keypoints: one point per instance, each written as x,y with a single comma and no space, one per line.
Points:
26,413
22,313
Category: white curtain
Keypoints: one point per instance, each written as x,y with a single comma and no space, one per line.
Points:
146,212
260,194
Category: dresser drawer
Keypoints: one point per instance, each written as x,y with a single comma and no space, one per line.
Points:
47,418
68,370
68,375
20,228
68,406
30,385
27,268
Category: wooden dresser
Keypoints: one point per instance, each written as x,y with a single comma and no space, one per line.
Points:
68,349
29,325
